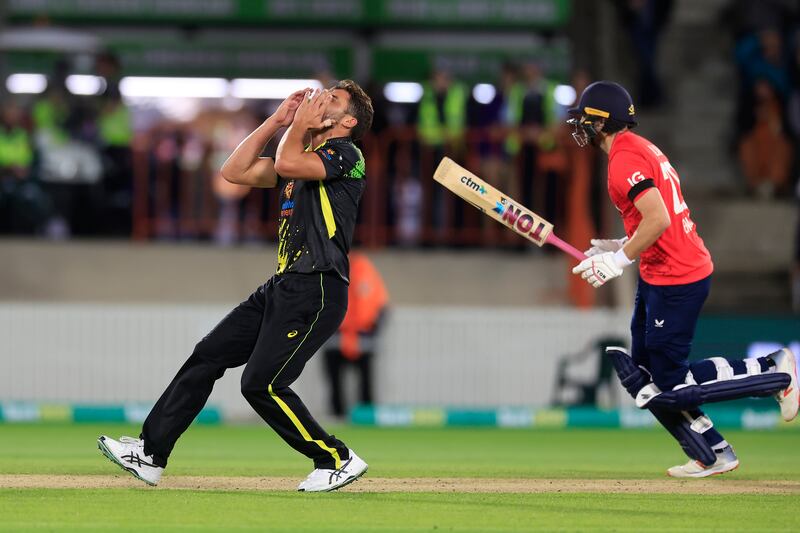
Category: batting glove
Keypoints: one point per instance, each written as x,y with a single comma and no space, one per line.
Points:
599,269
600,246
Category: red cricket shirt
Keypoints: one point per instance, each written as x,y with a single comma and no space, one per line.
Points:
678,257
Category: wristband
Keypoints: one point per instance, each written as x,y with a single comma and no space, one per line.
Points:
621,259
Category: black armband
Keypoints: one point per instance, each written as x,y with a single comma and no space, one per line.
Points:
639,187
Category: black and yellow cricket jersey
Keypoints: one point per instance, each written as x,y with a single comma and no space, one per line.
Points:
317,218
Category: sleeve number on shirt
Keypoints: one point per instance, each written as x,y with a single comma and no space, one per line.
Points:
669,173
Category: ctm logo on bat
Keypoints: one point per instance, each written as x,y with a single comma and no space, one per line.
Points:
519,220
477,187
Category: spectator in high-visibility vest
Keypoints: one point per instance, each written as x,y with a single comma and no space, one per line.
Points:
539,105
16,149
499,139
23,205
513,94
441,125
442,111
354,344
540,128
115,136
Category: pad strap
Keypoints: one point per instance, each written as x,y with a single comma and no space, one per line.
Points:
693,396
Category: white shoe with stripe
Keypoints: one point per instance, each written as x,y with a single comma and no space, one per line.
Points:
726,461
128,453
326,480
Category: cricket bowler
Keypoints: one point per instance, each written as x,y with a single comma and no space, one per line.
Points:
674,279
285,321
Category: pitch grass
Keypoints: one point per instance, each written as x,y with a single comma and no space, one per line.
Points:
402,452
429,453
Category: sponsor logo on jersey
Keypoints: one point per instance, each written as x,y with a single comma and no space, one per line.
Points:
292,334
287,208
636,177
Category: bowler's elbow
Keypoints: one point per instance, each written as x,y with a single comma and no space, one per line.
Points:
282,167
229,176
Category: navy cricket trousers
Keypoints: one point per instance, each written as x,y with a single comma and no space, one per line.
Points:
662,328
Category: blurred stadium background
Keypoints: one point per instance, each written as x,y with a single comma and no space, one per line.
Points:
121,245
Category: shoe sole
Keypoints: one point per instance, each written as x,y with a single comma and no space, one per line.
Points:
342,484
793,384
701,475
111,457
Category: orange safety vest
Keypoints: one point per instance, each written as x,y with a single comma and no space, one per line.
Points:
367,297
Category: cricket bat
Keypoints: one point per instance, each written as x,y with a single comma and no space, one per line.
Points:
500,207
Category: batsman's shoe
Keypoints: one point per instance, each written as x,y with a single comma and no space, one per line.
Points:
788,398
726,461
326,480
128,453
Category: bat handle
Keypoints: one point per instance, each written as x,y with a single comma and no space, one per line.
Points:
565,246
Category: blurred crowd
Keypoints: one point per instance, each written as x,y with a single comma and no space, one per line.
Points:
767,129
511,132
74,164
767,48
65,160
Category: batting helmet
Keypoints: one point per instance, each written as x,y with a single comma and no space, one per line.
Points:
606,99
602,100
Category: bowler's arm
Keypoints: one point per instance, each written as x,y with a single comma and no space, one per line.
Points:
245,166
293,162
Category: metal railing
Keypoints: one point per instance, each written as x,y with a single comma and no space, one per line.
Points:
402,205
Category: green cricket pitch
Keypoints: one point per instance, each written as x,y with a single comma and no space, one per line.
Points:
52,477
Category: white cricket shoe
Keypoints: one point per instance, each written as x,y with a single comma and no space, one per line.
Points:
326,479
128,453
788,398
726,461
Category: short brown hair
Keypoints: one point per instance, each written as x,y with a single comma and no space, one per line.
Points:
360,107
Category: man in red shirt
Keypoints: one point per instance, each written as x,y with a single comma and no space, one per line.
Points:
674,280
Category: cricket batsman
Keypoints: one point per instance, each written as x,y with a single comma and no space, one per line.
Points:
284,322
674,280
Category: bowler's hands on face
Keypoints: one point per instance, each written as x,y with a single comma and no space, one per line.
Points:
311,111
285,113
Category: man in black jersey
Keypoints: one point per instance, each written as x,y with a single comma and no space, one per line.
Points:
286,320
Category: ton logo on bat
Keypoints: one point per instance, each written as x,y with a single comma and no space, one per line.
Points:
522,222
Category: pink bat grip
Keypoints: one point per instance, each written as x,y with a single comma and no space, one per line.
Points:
571,250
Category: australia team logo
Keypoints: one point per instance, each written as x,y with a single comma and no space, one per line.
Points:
328,153
287,191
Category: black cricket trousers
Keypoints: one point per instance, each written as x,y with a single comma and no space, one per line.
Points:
275,332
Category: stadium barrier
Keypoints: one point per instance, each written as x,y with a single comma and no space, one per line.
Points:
26,412
103,360
111,354
763,416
